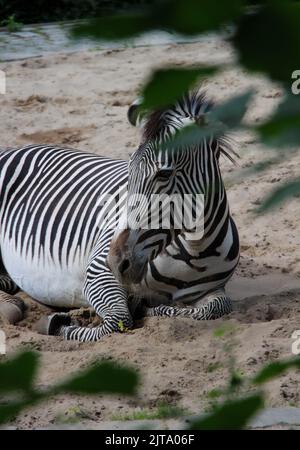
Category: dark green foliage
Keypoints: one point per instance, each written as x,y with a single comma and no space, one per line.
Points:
283,128
231,112
281,194
188,17
17,376
10,410
275,369
232,415
269,39
193,16
166,85
106,377
105,28
221,119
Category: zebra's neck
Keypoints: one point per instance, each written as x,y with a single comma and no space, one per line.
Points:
214,224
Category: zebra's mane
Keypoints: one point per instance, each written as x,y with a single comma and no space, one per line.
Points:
192,105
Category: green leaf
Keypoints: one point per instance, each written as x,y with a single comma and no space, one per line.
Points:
275,369
114,27
167,85
268,39
281,194
216,123
283,128
121,326
232,415
193,135
231,112
187,17
11,410
192,17
104,377
18,374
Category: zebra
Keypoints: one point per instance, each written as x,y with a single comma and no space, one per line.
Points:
66,240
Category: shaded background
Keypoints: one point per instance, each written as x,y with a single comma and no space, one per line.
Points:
45,11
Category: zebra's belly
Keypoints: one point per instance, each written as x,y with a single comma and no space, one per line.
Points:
48,283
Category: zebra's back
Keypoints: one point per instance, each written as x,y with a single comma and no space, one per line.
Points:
51,216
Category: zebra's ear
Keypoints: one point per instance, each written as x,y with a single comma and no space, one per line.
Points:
135,115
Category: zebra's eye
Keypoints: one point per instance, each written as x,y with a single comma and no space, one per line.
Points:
164,174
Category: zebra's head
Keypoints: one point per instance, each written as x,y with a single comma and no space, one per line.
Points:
165,186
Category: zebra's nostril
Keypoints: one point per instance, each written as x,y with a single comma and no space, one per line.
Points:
124,265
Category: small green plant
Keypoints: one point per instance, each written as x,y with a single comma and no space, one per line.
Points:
212,367
121,327
11,24
73,415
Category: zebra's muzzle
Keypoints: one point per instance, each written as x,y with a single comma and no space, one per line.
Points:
127,265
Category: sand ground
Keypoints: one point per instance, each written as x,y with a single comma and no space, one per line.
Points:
81,100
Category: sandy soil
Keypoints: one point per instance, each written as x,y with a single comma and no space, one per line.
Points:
81,100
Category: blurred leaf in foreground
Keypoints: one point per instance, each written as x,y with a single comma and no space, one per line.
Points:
187,17
232,415
105,377
197,16
283,128
10,410
17,374
268,39
275,369
232,111
221,119
114,27
285,192
167,85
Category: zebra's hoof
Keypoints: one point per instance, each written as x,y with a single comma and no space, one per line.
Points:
11,309
51,325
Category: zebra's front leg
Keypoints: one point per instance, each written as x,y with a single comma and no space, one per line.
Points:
11,308
109,300
218,304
